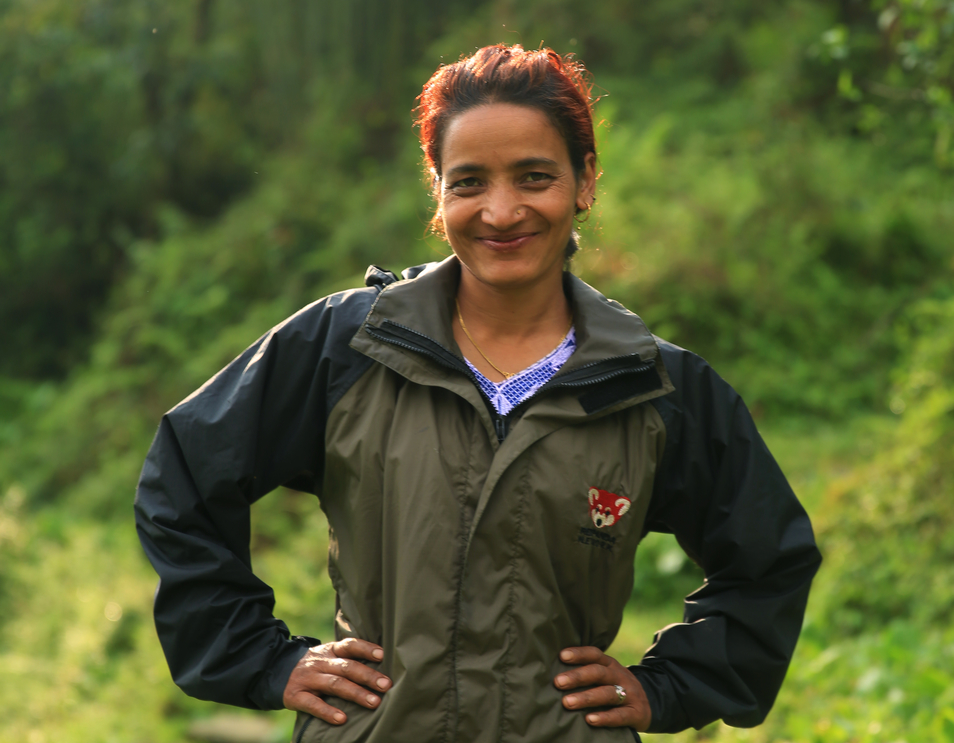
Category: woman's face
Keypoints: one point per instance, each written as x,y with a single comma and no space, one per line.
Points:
509,194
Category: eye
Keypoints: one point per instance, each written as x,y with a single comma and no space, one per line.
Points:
537,177
465,184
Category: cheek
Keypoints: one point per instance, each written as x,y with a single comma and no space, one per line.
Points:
454,214
559,208
454,219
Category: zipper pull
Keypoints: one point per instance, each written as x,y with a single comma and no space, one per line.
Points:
501,425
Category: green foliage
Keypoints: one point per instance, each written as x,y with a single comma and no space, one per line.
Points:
664,575
894,684
103,119
902,498
885,67
785,263
115,113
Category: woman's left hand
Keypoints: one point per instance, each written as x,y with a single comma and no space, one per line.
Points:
603,674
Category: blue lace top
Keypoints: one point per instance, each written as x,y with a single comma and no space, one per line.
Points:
511,392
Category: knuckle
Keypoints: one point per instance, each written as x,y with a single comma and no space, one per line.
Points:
584,676
349,643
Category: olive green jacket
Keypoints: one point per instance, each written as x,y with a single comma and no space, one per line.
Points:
474,547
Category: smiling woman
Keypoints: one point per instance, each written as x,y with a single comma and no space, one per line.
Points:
490,439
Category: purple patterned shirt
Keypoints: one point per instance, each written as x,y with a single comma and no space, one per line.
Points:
506,395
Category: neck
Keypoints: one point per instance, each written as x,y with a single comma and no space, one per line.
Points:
513,312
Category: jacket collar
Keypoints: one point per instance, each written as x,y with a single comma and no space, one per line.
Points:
424,306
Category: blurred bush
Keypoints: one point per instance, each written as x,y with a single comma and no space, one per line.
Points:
888,528
116,112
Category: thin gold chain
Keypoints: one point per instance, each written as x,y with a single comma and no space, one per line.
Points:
463,327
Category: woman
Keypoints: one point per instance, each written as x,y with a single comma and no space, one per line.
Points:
490,439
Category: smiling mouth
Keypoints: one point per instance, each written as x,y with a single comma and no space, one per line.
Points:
501,242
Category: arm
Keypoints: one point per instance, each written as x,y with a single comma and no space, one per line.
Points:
256,425
721,493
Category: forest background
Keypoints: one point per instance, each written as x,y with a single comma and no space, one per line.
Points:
177,177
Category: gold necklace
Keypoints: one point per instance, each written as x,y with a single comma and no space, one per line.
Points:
497,369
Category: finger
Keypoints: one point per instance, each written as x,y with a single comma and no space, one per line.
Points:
582,655
333,685
353,647
356,671
316,707
591,675
601,696
324,674
617,717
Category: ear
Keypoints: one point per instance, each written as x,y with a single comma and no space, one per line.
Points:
586,183
591,496
623,505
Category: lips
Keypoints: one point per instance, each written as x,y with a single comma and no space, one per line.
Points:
506,241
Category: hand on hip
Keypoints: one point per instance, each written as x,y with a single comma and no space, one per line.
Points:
334,670
605,684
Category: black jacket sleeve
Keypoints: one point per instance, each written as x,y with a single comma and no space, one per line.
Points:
721,493
256,425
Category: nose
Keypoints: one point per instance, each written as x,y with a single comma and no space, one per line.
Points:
502,208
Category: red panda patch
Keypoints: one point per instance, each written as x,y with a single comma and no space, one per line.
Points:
606,508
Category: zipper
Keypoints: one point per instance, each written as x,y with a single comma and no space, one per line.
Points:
500,425
588,380
412,340
404,337
433,349
623,365
442,356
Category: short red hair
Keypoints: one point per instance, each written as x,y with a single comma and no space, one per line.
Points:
541,79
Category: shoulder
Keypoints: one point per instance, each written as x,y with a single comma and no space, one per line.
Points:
336,315
309,347
702,407
696,383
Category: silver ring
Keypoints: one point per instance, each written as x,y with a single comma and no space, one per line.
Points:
620,694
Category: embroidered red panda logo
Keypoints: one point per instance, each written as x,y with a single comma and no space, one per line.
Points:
606,508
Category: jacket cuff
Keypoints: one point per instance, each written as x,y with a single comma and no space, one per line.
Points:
668,715
269,691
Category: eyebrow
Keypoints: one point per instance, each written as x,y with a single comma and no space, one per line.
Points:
527,162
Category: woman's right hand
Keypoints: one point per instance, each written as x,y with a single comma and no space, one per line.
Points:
333,669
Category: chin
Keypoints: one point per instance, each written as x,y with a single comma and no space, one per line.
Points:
512,271
511,278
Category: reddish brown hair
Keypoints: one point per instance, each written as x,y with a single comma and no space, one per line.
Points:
541,79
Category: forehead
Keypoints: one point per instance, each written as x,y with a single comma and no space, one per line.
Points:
501,134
